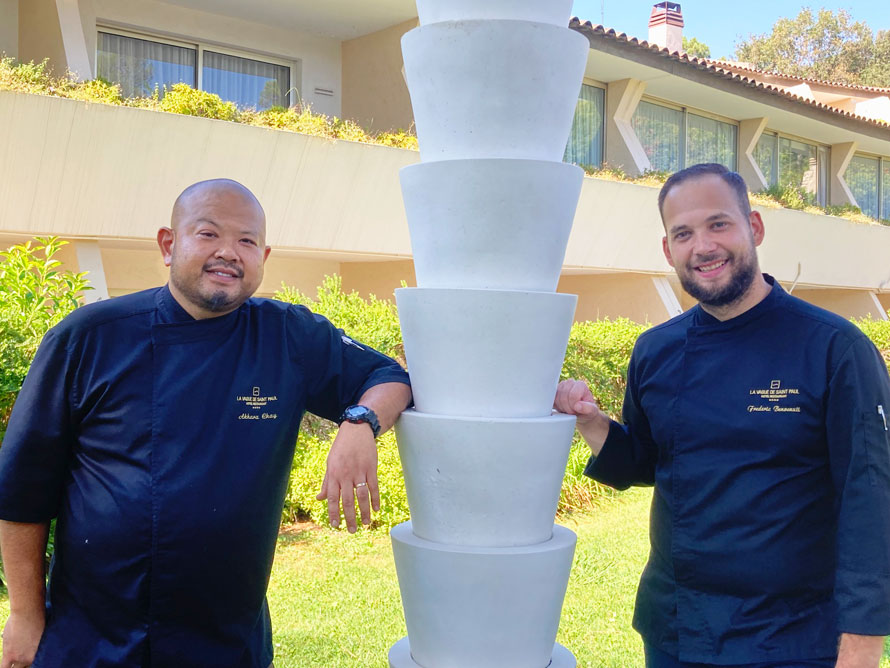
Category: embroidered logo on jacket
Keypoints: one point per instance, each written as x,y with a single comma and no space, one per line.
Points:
255,402
775,399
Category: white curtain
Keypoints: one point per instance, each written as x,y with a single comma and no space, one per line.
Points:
710,140
862,178
585,145
660,130
248,83
139,65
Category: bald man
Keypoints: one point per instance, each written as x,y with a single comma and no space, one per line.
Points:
159,428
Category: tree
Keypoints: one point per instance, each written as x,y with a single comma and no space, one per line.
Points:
826,45
695,48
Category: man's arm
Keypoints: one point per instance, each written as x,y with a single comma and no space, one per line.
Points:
352,462
24,548
860,651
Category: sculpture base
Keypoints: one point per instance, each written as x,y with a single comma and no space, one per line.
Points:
400,657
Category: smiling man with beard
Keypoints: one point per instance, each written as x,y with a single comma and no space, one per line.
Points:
761,422
159,428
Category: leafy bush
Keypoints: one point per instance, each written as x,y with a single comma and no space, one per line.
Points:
183,99
34,296
879,332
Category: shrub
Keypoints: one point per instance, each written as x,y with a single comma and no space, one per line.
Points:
34,296
879,332
183,99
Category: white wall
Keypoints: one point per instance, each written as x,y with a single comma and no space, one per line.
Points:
319,58
9,27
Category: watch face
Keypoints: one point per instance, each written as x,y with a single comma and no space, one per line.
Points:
355,412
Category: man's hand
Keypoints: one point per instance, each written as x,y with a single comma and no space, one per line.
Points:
573,397
21,635
860,651
351,474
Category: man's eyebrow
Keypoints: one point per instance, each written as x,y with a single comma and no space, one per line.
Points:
717,216
207,220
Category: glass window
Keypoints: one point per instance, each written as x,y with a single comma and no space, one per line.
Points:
766,156
862,178
246,82
140,65
660,131
709,140
885,190
798,166
585,145
823,160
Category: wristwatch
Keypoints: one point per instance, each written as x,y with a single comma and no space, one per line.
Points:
358,414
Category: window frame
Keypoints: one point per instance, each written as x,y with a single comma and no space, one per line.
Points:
199,46
684,127
883,163
593,83
803,140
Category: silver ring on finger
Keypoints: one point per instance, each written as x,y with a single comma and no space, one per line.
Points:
360,484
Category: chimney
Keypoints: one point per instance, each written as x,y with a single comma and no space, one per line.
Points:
666,26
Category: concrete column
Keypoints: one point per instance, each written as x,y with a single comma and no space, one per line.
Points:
53,29
750,130
880,313
841,154
89,259
623,147
668,296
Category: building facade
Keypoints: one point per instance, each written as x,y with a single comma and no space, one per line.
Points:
105,177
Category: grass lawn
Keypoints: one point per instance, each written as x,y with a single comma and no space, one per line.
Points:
335,599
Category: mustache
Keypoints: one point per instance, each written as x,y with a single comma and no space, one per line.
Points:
222,264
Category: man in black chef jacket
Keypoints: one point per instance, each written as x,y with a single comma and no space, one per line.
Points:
761,421
159,429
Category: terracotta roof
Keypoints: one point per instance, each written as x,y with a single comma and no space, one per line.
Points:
717,69
821,82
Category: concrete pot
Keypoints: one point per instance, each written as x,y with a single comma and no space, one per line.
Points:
484,353
400,657
555,12
493,89
482,607
496,224
483,481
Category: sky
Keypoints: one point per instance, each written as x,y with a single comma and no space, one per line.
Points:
721,25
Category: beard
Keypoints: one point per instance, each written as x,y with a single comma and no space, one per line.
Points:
216,301
743,276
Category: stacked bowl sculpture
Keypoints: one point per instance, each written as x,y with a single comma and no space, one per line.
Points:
482,567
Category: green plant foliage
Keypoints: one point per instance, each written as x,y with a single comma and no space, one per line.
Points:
34,296
696,48
183,99
879,332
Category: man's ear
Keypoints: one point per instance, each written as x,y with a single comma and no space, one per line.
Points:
266,253
665,246
757,229
166,237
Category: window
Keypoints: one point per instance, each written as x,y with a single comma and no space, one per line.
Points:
676,138
869,180
140,65
793,163
585,145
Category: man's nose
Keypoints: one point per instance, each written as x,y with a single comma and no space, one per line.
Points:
704,244
226,252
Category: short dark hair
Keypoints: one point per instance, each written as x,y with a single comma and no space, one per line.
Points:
732,179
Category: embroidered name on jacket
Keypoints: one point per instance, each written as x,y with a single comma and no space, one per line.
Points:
776,398
255,402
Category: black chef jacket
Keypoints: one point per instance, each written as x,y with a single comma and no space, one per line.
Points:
765,438
164,445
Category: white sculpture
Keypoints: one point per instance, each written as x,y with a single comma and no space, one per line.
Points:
482,568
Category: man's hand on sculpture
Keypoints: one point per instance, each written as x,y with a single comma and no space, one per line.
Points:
351,475
21,635
573,397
